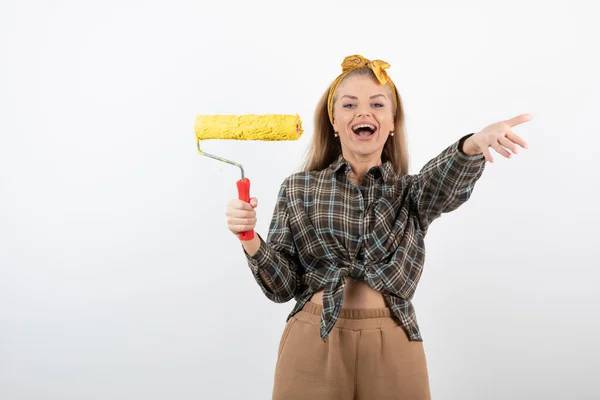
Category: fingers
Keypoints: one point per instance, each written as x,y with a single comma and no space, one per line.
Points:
501,150
516,139
499,137
487,154
241,221
237,229
508,144
239,225
519,120
237,213
238,204
241,216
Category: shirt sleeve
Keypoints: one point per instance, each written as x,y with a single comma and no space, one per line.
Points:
275,265
445,182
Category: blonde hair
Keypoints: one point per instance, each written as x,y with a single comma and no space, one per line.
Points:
325,148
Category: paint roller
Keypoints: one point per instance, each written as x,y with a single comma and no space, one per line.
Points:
268,127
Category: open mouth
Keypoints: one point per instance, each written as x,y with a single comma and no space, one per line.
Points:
364,130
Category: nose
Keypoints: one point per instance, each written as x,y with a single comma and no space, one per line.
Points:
363,113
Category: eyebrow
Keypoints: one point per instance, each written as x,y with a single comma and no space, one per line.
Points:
356,98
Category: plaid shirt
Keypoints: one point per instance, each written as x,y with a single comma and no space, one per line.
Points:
325,228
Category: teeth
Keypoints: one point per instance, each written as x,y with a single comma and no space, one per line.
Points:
356,127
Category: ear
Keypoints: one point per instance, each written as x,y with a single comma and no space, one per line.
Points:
334,125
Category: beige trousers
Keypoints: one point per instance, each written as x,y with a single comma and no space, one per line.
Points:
367,355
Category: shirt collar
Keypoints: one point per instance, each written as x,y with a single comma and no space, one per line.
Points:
386,169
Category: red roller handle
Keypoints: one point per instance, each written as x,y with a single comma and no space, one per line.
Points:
243,187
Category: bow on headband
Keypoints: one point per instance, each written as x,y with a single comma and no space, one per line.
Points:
355,62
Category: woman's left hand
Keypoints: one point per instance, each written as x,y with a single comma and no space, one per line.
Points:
498,136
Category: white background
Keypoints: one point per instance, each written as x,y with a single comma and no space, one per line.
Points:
118,277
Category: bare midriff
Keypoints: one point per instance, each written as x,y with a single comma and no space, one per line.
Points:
357,294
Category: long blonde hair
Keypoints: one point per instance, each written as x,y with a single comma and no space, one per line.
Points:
325,148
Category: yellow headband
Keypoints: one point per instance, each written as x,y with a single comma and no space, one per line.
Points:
355,62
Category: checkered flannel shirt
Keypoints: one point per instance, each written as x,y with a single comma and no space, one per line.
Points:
325,228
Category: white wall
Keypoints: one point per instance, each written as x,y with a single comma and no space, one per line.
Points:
118,277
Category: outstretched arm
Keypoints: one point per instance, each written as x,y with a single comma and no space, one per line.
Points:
447,181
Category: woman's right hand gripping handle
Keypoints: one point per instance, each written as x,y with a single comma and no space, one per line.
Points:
241,217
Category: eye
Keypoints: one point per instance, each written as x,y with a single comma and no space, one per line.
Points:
348,105
378,105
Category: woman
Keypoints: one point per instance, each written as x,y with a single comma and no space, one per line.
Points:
347,241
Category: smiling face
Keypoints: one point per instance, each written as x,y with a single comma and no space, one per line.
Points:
363,116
